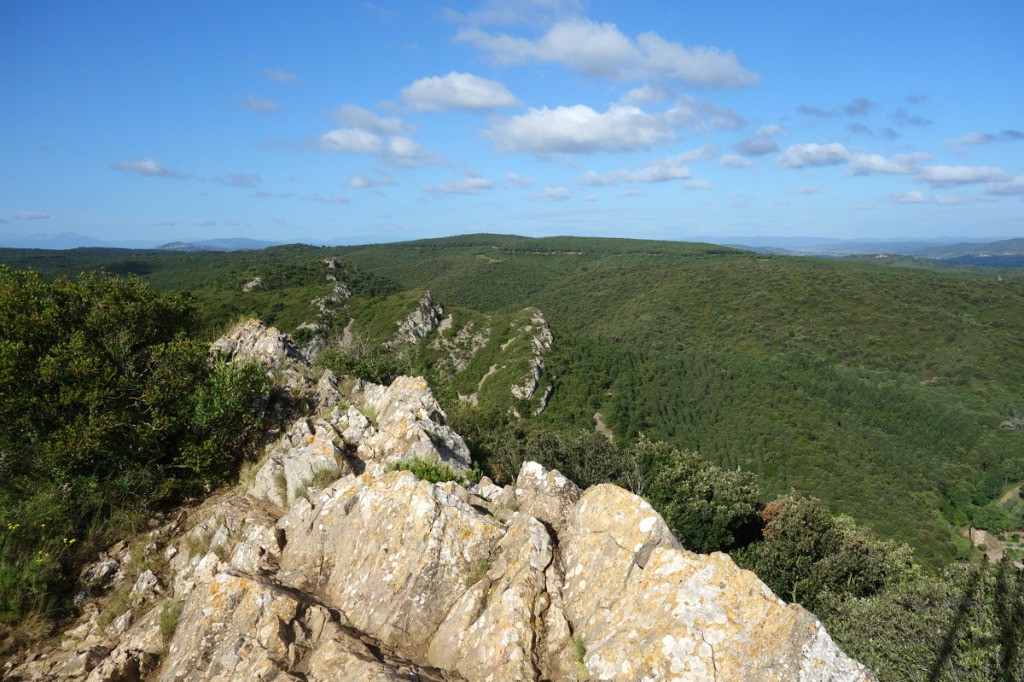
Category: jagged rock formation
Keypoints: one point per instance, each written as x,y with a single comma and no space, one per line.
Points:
539,344
326,566
420,322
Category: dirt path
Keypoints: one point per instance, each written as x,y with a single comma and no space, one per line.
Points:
1010,494
602,428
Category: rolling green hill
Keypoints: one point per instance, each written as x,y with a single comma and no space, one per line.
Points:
881,390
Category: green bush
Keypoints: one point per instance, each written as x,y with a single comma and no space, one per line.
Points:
434,470
227,419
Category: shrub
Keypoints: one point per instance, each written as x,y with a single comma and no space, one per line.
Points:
434,470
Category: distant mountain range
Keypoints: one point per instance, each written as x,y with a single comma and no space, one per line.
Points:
235,244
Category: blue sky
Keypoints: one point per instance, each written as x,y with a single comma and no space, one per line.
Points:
340,122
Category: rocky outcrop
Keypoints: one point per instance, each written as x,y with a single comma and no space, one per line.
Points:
327,566
540,343
420,322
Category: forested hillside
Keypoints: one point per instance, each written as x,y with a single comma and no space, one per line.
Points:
888,392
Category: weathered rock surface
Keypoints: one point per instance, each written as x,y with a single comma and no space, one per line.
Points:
420,322
377,575
540,343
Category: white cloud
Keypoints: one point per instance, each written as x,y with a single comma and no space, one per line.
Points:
735,161
900,164
602,50
32,215
353,116
806,190
517,12
762,142
581,130
149,167
952,176
911,197
1010,187
811,154
646,94
254,103
458,91
631,192
518,181
366,133
698,184
359,181
662,170
553,194
988,138
279,75
471,184
352,140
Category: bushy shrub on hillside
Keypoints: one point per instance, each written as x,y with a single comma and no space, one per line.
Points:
103,393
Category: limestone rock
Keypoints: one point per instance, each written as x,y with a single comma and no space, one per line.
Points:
645,609
540,343
420,322
547,495
252,340
409,423
254,283
391,553
306,452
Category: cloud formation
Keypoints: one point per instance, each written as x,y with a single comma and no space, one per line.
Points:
953,176
762,142
811,154
905,118
900,164
1009,188
601,50
736,161
580,129
254,103
360,181
239,179
31,215
558,193
662,170
471,184
458,91
363,132
148,167
988,138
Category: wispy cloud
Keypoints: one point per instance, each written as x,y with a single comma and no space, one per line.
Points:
697,184
279,76
360,181
601,50
806,190
148,167
1008,188
331,199
254,103
518,181
812,154
736,161
471,184
762,142
557,193
662,170
903,117
31,215
458,91
953,176
900,164
239,179
987,138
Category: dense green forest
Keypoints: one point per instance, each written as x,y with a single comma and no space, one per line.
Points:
889,392
751,397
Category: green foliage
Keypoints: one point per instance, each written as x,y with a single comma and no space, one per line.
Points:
434,470
707,508
227,420
808,556
477,573
992,518
169,615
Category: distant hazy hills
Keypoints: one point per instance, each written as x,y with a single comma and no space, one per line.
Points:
236,244
1002,253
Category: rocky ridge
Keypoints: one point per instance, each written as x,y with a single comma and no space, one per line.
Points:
324,565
